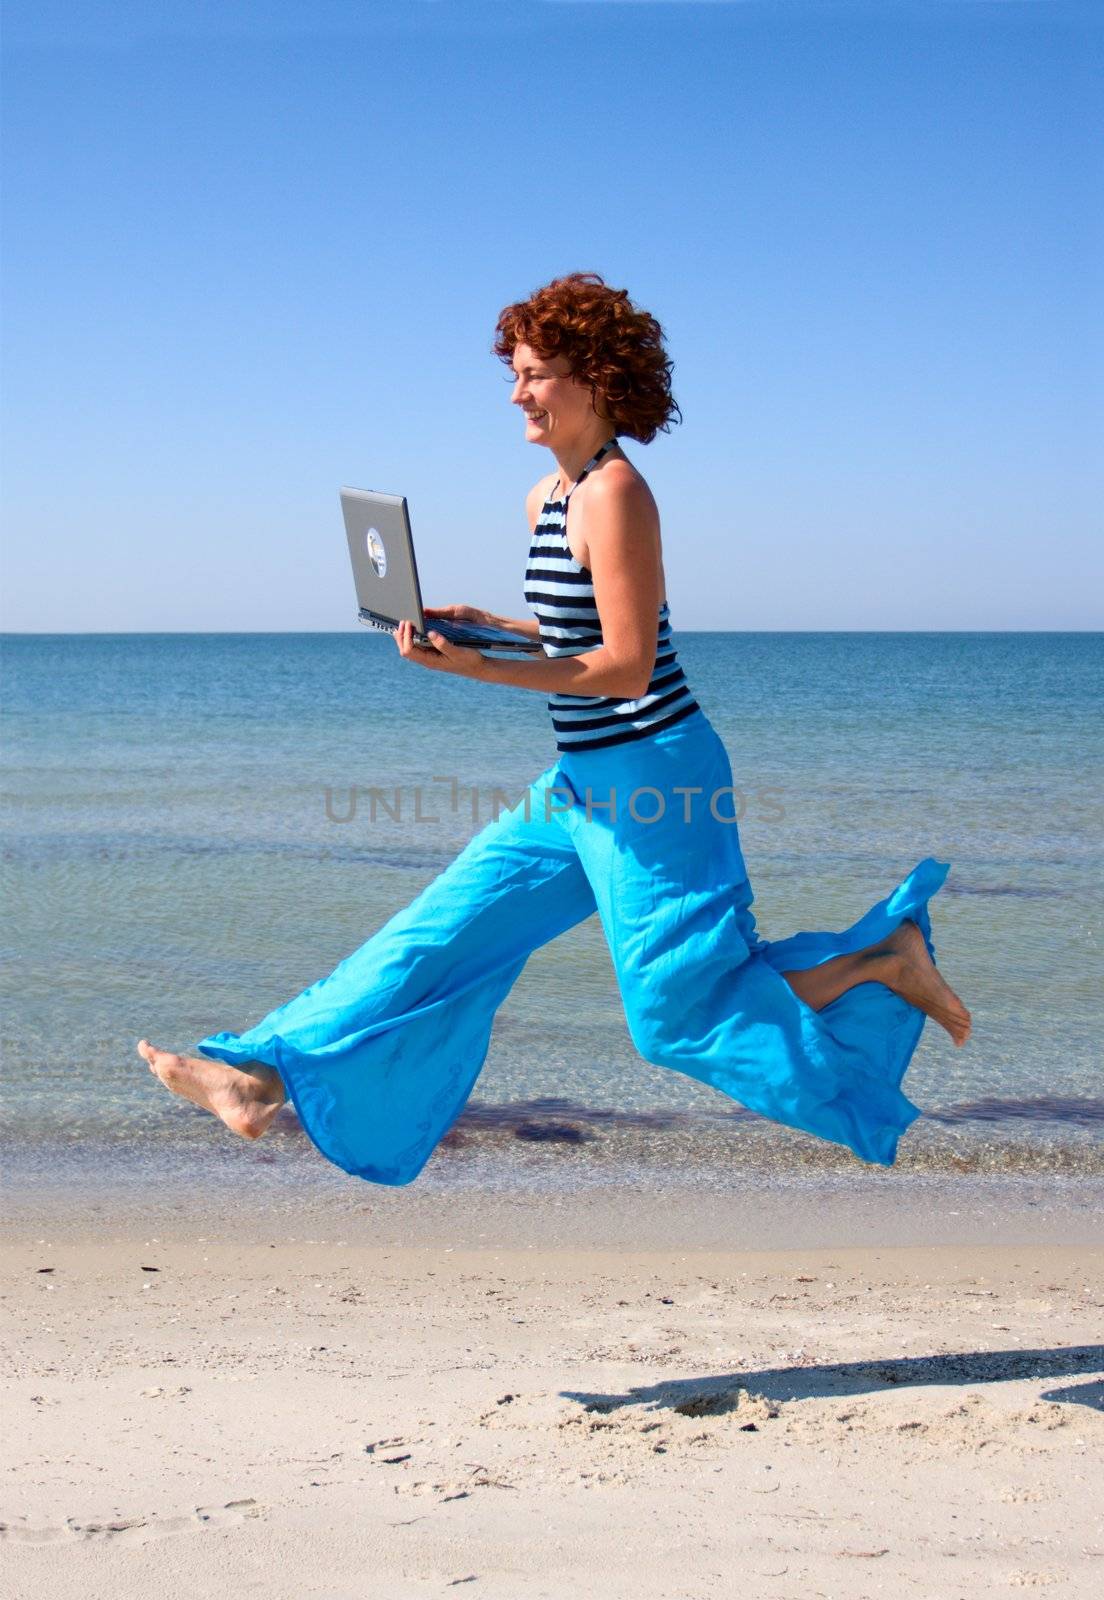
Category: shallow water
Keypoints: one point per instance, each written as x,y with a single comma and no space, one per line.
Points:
184,850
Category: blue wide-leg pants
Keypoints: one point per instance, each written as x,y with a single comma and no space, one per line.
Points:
380,1057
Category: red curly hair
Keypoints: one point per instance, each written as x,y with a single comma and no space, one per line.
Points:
611,344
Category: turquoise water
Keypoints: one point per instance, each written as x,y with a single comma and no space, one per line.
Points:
184,850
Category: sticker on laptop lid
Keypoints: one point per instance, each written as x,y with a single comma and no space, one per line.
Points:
377,555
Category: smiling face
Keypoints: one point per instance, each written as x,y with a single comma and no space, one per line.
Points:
558,409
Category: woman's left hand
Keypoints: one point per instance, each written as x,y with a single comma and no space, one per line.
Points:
458,659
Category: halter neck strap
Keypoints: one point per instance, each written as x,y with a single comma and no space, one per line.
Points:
595,458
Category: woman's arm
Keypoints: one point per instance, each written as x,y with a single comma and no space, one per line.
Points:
623,545
528,628
622,529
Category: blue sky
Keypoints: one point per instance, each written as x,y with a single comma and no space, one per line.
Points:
256,250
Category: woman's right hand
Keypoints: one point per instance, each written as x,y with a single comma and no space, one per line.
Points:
482,619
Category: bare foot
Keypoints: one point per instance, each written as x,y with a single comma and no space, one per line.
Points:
911,973
246,1104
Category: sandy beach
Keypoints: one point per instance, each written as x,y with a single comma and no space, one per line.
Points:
213,1404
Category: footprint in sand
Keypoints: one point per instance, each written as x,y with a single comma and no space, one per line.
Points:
130,1530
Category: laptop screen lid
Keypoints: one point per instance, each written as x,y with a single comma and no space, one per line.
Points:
382,553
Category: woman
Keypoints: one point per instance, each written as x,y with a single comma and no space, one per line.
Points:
633,820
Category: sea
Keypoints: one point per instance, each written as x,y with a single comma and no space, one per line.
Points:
197,826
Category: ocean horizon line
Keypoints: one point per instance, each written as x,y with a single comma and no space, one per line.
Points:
337,633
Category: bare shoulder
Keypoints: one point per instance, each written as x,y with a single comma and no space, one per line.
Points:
620,518
619,487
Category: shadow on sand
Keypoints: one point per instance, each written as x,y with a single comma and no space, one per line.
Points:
1079,1394
715,1395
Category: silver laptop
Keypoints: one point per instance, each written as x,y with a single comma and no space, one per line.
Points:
381,548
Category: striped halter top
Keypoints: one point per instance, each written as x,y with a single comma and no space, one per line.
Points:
559,592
